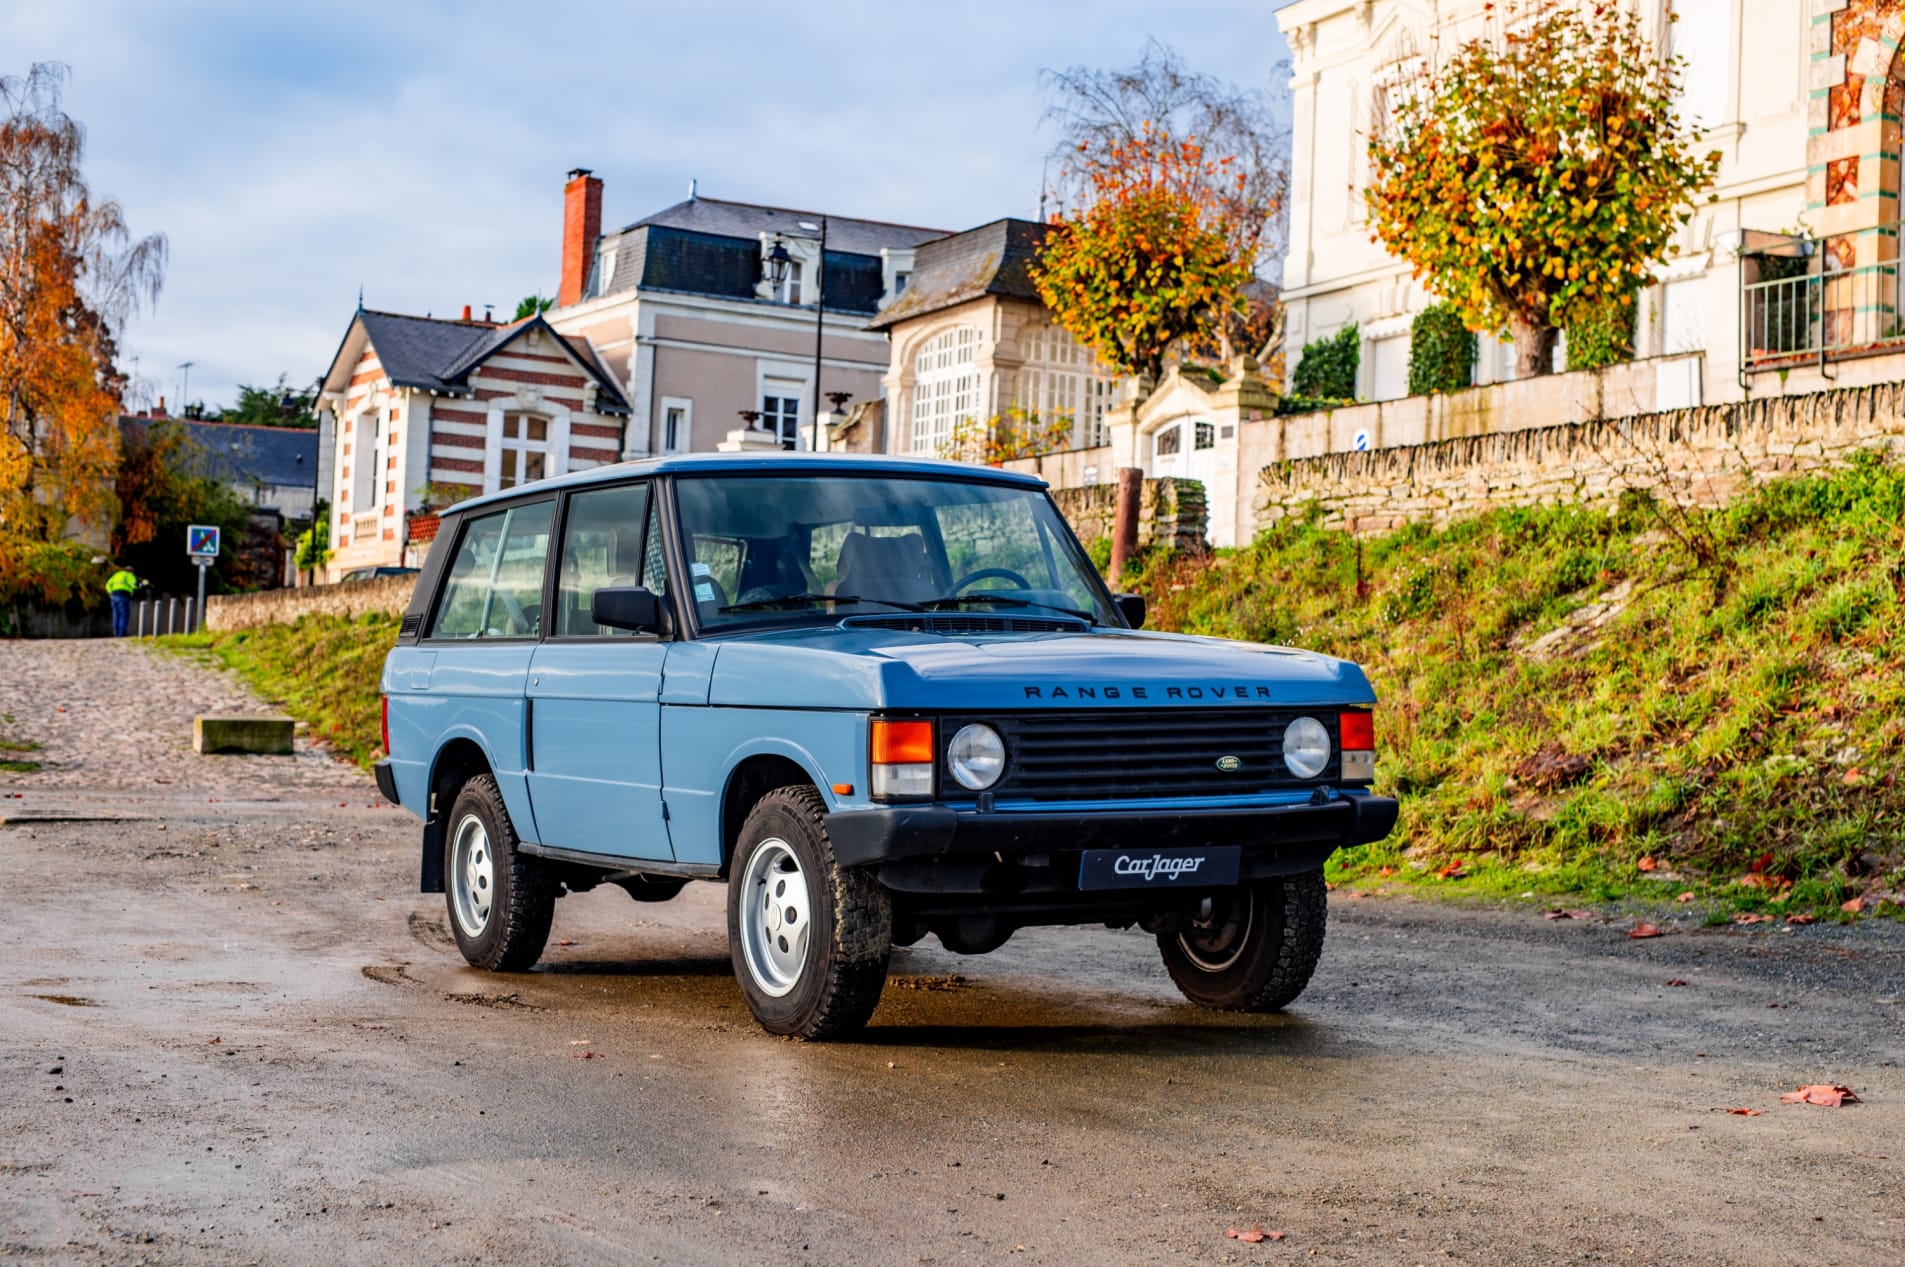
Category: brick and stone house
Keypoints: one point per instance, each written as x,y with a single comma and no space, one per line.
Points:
971,338
678,307
421,411
1802,98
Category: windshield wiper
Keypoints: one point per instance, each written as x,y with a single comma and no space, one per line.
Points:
987,596
801,600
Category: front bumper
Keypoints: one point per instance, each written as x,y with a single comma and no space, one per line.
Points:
936,849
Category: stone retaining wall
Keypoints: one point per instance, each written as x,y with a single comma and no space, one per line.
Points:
1703,456
1169,510
281,607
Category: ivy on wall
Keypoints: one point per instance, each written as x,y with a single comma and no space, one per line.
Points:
1441,351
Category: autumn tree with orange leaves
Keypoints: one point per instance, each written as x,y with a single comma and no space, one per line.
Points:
1535,178
1151,259
69,277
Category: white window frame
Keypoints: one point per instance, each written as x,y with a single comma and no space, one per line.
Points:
684,437
1058,375
945,386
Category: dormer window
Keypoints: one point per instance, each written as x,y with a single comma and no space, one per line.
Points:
604,275
790,289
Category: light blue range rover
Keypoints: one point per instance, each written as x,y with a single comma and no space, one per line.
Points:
879,698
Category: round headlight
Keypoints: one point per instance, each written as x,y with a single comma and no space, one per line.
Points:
1306,747
976,756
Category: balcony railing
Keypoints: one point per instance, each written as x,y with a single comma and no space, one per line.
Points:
1805,301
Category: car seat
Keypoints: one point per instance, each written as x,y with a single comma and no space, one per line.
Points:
886,567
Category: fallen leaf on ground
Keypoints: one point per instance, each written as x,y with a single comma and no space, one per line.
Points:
1801,919
1831,1096
1853,907
1752,917
585,1055
1685,897
1451,872
1255,1235
1646,864
565,942
1386,872
1760,863
1744,1112
1676,981
1639,931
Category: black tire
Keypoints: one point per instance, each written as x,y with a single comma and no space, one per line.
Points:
509,933
826,982
1257,949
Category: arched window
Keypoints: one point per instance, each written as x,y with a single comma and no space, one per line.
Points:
1060,377
945,387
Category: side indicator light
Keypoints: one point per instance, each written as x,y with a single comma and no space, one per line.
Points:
843,789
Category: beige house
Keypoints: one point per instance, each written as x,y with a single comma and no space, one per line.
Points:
971,339
679,308
1800,97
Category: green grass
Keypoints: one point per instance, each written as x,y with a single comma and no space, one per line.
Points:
323,670
1737,712
16,765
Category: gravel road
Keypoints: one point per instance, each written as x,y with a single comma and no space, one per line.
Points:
231,1032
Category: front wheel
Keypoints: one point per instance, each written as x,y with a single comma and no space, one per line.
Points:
809,939
1252,949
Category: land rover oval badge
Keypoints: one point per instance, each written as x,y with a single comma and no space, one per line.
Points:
1230,765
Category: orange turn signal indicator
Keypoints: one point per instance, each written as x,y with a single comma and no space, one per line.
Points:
902,742
843,789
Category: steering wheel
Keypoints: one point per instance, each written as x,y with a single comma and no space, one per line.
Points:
987,574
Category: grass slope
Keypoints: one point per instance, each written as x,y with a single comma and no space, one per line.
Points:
323,670
1578,701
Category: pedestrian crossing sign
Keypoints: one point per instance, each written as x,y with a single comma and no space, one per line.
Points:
201,541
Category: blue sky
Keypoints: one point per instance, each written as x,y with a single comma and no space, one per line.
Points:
291,151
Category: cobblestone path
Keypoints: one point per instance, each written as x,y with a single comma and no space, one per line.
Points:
116,715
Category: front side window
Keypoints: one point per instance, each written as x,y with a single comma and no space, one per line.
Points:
601,546
525,449
766,549
495,584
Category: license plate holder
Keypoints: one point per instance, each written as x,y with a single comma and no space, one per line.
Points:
1195,868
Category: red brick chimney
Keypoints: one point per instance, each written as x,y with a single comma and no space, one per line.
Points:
581,226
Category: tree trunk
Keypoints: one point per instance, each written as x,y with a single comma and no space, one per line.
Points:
1534,348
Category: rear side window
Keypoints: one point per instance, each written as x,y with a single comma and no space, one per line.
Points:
601,546
494,588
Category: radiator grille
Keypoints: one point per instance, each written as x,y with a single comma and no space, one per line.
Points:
1130,754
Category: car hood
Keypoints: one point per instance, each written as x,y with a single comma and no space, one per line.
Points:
847,667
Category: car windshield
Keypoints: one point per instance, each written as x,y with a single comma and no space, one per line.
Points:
824,546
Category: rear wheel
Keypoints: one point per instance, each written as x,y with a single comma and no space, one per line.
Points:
809,939
501,901
1252,949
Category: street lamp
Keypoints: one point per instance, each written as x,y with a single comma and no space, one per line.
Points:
779,263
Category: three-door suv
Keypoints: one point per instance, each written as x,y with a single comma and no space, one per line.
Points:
880,698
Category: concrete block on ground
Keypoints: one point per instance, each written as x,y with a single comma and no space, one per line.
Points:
265,734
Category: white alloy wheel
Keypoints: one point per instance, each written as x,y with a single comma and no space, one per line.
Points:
472,876
776,914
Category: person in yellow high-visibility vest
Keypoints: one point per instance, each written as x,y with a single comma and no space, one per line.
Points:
119,588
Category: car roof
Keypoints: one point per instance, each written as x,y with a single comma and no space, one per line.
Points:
776,462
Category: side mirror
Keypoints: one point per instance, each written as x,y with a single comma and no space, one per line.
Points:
629,607
1131,607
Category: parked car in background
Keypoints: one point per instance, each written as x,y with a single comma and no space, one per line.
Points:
881,699
372,573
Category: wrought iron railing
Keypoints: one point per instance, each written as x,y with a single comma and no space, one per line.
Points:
1819,301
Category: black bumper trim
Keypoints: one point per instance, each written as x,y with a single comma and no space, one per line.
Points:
901,832
386,782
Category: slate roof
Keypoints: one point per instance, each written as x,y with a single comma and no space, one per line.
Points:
439,355
722,218
709,246
989,260
239,453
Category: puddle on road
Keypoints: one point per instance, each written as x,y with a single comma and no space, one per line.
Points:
66,1000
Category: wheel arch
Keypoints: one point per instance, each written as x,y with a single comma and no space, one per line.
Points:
459,760
751,778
